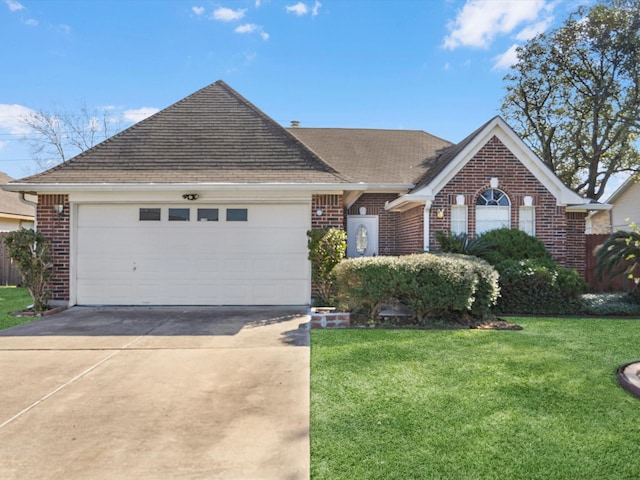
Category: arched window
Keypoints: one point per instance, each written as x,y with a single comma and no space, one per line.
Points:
493,210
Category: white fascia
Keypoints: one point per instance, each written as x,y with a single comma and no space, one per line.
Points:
410,200
498,127
589,207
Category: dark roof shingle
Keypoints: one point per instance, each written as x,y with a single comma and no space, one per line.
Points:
212,136
374,156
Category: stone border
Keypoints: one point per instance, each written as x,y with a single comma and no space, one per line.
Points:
628,378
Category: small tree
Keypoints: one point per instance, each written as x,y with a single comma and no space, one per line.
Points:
30,250
327,247
620,255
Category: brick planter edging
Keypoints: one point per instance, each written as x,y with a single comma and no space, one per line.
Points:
325,318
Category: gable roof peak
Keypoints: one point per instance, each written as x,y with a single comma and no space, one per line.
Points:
213,135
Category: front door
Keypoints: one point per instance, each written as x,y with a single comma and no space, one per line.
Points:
362,236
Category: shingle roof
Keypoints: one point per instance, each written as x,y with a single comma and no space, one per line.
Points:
374,156
212,136
10,202
434,166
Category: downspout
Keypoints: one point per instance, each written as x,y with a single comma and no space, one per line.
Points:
31,204
426,230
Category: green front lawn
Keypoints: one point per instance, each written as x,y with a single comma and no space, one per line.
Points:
541,403
13,299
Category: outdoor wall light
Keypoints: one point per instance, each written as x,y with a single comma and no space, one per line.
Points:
319,212
58,208
440,213
190,196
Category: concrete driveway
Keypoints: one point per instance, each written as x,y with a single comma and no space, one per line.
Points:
156,393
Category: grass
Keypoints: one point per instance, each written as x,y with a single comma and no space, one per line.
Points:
541,403
13,299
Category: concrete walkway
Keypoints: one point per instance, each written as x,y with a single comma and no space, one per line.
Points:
156,393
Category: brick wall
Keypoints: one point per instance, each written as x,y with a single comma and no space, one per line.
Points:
374,203
410,228
495,160
576,242
332,211
56,229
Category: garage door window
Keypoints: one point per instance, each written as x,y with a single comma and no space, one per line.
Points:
207,214
236,214
179,214
149,215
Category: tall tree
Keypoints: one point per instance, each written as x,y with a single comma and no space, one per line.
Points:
574,95
56,135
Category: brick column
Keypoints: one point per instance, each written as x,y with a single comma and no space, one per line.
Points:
55,228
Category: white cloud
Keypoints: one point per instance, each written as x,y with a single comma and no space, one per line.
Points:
32,22
246,28
316,8
252,28
480,21
299,9
507,59
12,118
14,6
197,10
531,31
227,15
3,144
137,114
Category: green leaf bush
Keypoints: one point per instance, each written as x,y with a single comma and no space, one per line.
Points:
32,255
434,287
327,247
619,304
512,244
535,287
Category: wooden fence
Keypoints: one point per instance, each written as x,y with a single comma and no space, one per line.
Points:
9,275
600,285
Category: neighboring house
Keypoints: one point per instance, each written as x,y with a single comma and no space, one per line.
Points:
625,209
208,202
14,214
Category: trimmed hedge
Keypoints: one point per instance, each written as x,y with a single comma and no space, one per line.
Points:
511,244
527,286
432,286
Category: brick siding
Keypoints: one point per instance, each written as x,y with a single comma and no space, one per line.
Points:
411,231
55,228
562,233
332,211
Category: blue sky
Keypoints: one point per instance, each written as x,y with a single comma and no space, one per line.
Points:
425,65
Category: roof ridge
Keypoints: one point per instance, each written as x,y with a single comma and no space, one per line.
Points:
266,118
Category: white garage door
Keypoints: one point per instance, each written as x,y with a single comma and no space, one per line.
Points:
192,255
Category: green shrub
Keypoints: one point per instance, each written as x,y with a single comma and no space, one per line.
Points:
487,289
432,286
435,286
511,244
534,287
622,304
462,243
327,247
570,282
366,283
31,253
